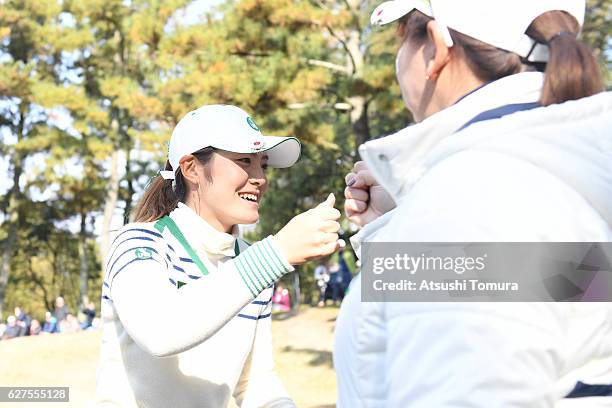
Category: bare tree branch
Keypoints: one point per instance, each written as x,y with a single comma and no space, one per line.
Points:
250,54
344,45
329,65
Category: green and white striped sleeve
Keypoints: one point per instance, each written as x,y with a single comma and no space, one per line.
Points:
261,265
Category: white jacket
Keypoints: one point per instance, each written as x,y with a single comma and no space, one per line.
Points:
538,175
174,336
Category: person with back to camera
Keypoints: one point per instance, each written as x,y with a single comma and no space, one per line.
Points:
182,263
321,278
513,143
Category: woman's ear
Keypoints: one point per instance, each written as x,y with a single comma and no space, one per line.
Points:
440,53
189,169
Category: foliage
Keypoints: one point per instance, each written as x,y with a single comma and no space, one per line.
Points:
90,90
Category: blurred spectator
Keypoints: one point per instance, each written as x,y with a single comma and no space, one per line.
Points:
50,325
23,319
61,310
35,328
280,300
321,276
12,329
335,282
21,324
90,313
69,325
345,271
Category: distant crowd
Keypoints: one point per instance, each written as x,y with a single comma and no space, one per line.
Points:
332,280
60,320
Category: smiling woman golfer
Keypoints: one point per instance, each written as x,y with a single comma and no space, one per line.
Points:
185,302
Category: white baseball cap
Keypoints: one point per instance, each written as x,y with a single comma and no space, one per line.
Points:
228,128
498,23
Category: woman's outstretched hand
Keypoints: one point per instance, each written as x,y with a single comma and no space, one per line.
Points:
365,200
312,234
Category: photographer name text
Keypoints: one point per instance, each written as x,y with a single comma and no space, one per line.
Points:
457,285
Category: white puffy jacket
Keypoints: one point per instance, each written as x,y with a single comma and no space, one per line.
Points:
539,175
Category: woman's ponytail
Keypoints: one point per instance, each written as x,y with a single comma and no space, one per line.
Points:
160,198
572,71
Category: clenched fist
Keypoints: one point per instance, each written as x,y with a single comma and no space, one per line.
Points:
310,235
366,200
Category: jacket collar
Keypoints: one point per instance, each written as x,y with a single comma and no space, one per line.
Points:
202,236
398,161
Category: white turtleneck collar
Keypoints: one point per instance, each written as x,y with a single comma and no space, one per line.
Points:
202,236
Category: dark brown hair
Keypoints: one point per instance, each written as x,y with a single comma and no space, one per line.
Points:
572,71
162,196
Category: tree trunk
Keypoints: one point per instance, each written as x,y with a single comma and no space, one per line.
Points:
356,59
13,225
359,120
130,187
109,206
83,275
38,281
12,213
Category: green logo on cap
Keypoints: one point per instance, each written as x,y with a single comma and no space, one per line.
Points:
252,124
